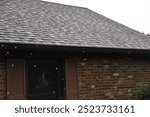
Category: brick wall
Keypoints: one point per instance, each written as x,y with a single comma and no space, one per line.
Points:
2,79
108,78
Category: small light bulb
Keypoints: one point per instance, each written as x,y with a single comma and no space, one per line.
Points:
84,59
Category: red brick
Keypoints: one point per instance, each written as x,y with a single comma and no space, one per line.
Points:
103,78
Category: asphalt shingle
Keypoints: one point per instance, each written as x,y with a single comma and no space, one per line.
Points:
46,23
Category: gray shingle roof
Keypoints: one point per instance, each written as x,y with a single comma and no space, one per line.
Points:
39,22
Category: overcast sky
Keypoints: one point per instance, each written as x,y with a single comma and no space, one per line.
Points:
132,13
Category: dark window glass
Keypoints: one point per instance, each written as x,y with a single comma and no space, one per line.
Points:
44,80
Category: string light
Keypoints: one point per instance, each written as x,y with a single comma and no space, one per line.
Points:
84,59
129,90
93,86
7,53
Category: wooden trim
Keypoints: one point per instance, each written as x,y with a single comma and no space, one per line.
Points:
15,79
71,79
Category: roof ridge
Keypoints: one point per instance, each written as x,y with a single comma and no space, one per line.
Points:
67,5
64,4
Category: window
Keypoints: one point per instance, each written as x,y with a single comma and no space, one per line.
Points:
45,80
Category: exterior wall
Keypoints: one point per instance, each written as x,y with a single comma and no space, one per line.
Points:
103,77
2,79
108,78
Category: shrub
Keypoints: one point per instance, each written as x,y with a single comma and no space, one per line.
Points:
143,91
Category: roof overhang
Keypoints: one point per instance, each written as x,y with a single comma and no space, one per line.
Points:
33,47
